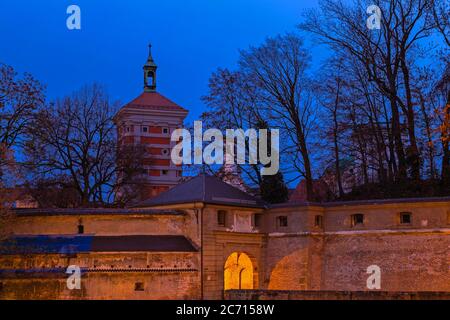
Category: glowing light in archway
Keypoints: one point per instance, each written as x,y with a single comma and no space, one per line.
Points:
238,272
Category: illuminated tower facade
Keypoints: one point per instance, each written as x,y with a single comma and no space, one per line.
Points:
148,121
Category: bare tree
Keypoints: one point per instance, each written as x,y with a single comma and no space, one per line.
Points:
75,139
440,10
386,55
8,180
19,98
278,67
233,102
443,111
329,91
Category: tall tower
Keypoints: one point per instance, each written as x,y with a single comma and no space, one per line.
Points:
149,121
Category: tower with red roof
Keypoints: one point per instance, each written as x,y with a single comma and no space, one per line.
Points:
148,121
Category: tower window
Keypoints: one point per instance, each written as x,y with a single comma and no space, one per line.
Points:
357,219
165,151
221,217
318,221
282,221
405,217
144,129
80,229
165,130
127,129
150,78
257,219
138,286
164,172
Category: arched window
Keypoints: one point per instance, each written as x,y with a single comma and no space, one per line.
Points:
150,78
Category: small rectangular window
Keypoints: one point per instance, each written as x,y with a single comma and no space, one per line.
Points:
318,221
405,217
357,219
282,221
221,217
164,172
80,229
144,129
257,219
139,286
165,130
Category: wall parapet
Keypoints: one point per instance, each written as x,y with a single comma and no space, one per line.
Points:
333,295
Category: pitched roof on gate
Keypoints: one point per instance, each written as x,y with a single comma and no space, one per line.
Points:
207,189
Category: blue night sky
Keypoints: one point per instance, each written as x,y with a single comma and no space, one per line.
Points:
190,38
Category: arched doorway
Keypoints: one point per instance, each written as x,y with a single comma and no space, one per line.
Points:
238,272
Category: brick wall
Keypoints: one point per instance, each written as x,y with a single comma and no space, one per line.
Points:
163,285
408,262
104,224
332,295
412,257
104,276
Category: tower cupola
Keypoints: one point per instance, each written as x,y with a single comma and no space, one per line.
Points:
150,72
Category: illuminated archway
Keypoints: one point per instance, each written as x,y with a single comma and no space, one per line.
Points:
238,272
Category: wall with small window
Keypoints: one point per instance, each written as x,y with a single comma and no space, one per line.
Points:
282,222
105,224
420,215
318,221
357,220
173,275
80,226
258,221
405,218
234,220
292,220
222,218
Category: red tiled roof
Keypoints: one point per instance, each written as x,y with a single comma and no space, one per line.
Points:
299,194
153,100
